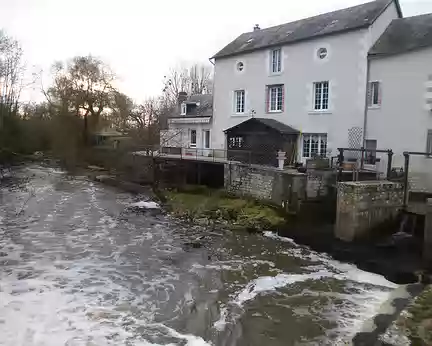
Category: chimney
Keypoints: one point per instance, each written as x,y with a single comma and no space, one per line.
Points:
256,27
182,96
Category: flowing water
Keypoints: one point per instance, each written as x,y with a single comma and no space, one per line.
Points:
78,266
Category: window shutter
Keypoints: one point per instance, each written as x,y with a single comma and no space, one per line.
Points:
369,94
379,93
267,104
283,98
429,142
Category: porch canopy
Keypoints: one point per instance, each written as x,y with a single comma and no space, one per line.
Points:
257,140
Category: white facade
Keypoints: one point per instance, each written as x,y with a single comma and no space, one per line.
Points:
344,67
404,116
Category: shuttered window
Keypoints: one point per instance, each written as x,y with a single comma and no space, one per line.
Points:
374,94
429,142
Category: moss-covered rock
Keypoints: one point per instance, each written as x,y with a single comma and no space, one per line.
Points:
206,206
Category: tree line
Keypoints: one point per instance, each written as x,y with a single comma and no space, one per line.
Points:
81,99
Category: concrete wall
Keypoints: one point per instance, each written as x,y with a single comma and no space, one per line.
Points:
319,183
363,206
345,67
282,188
404,117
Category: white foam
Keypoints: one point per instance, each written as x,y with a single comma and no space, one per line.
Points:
145,205
273,235
270,283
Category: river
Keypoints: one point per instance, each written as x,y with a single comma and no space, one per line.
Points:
79,266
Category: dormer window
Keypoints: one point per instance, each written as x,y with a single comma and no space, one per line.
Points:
183,109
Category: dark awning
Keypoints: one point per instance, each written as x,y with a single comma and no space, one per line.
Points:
271,123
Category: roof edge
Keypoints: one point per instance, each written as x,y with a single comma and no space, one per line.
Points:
364,26
398,10
385,55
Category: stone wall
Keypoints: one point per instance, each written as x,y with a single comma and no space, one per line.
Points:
318,182
283,188
362,206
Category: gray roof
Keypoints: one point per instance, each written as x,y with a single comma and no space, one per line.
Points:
347,19
205,108
273,124
403,35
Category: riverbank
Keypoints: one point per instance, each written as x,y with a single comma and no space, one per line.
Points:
215,207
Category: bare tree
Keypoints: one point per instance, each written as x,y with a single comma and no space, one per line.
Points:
85,87
11,74
194,79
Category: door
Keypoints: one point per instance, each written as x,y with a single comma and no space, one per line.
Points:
206,143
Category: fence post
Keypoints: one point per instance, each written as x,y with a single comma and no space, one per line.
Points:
389,163
341,160
362,160
406,192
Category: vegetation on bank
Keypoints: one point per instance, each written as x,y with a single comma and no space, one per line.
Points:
417,323
204,206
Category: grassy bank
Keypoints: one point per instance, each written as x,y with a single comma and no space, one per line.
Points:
204,206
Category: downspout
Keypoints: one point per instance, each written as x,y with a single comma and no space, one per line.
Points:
365,115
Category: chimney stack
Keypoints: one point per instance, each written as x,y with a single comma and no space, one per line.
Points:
256,27
182,96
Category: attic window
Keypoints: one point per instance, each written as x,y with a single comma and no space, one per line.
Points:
322,53
183,109
240,66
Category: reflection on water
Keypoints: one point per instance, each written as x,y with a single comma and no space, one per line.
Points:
78,267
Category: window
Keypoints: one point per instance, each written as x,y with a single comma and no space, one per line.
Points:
314,145
206,139
276,61
374,94
239,101
429,142
322,53
240,66
235,142
321,96
183,109
193,138
275,98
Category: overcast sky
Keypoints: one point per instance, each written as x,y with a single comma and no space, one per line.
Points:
142,39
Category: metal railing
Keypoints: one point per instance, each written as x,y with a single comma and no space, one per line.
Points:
367,156
407,160
210,155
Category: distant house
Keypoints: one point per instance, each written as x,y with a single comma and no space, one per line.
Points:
190,126
108,137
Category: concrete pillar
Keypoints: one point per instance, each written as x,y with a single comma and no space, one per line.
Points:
427,243
281,159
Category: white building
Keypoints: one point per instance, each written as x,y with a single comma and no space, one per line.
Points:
399,114
311,75
189,127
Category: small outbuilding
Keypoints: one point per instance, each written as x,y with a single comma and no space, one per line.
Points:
257,141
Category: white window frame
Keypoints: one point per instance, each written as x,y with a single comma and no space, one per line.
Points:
239,101
276,61
206,134
374,87
309,136
193,144
318,104
183,109
273,107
